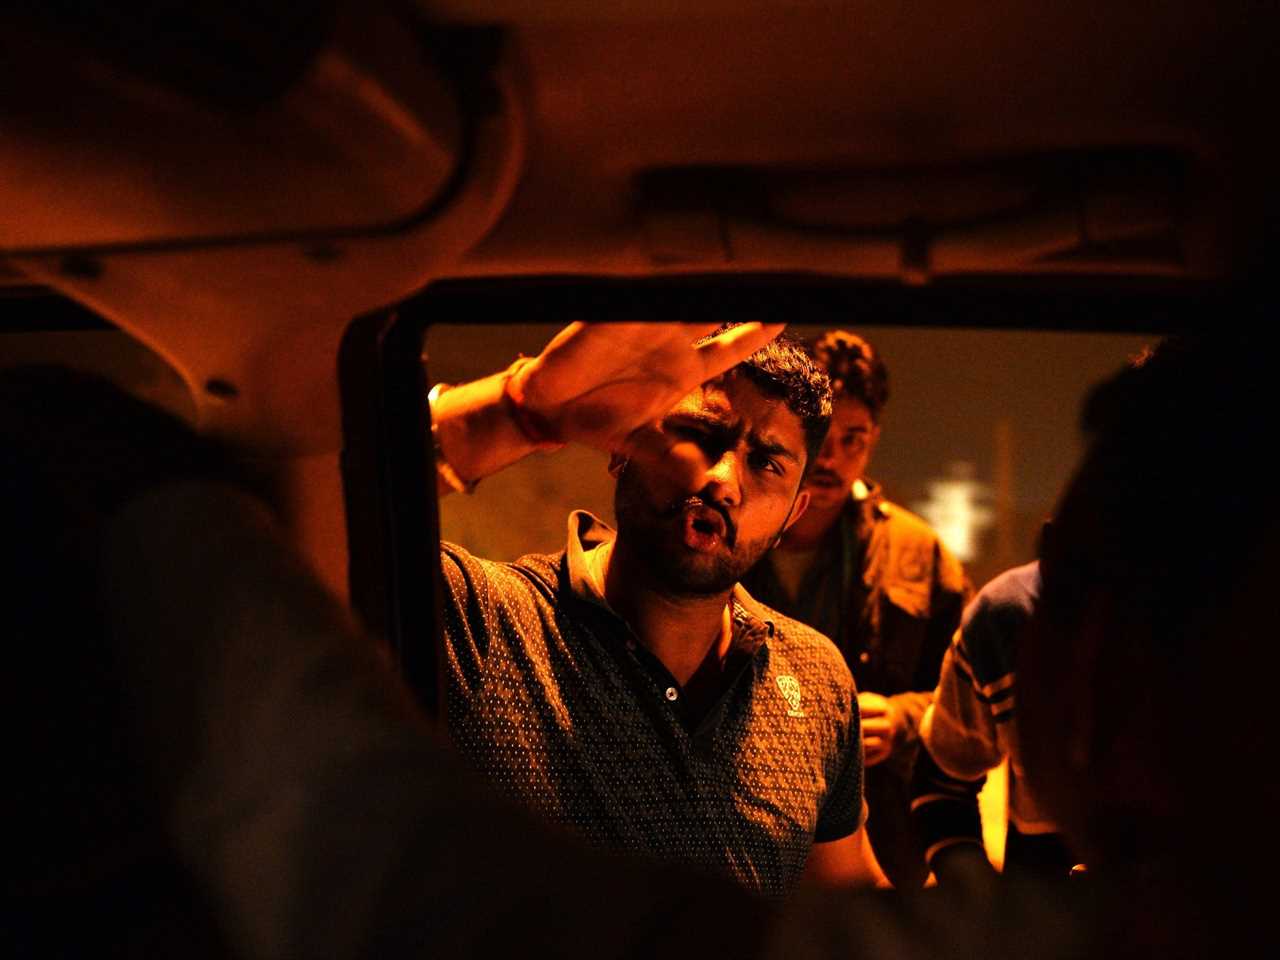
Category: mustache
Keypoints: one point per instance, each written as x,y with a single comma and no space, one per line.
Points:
684,505
824,475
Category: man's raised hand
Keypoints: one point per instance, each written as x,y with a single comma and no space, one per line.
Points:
597,383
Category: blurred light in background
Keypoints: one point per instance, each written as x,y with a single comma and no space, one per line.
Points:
958,507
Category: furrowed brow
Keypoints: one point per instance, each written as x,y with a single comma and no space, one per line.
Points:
705,421
772,448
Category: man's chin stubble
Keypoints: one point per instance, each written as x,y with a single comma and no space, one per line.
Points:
684,576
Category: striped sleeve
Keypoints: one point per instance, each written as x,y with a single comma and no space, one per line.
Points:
944,809
965,731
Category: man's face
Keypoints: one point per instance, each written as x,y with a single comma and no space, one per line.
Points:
844,455
707,492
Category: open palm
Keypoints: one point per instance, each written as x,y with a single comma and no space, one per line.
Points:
596,383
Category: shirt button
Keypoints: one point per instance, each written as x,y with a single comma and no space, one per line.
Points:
672,693
864,657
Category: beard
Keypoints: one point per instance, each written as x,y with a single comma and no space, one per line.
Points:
653,532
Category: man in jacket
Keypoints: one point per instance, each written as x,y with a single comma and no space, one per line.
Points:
877,580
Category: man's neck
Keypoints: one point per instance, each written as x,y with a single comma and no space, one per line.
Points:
681,631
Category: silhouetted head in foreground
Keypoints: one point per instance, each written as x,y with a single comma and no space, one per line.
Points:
1145,686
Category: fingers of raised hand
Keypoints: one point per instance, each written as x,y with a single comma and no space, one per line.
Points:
673,351
601,381
586,358
734,345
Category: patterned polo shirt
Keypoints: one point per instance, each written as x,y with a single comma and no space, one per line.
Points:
551,696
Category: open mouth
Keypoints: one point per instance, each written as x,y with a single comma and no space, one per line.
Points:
705,528
711,526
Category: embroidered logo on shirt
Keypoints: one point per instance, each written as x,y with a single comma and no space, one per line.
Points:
790,688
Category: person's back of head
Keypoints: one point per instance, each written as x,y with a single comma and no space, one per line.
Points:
82,834
1144,682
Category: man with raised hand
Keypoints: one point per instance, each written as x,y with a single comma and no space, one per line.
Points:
627,687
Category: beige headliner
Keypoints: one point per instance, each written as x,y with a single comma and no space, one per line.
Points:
596,93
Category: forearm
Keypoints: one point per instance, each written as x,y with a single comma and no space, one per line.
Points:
847,862
475,431
944,810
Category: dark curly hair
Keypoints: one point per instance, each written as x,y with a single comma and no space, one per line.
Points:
783,368
855,369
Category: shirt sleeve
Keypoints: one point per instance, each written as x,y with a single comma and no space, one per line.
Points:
944,809
845,808
469,601
960,732
974,697
486,606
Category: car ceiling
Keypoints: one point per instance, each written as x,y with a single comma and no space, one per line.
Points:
866,88
900,142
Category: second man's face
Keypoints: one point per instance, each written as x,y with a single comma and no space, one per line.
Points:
711,488
844,455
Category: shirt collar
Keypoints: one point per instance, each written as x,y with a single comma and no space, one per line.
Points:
587,532
866,499
752,620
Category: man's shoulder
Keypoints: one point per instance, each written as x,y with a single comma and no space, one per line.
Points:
901,522
995,619
1018,587
540,571
544,567
1008,599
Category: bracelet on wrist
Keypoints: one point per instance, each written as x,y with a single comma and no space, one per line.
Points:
532,426
444,469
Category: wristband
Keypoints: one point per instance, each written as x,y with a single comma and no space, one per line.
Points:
444,469
534,427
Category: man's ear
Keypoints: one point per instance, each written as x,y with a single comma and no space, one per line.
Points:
798,506
617,463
